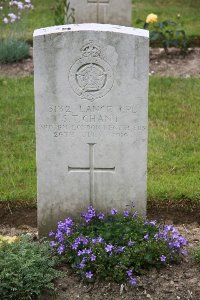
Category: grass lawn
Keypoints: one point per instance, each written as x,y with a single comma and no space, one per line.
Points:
174,144
43,15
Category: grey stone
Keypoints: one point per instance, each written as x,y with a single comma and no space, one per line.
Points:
116,12
91,106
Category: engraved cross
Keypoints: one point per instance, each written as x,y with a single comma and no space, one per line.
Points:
91,170
98,2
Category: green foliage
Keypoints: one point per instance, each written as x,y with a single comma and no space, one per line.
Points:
26,269
63,13
12,50
196,254
169,34
166,34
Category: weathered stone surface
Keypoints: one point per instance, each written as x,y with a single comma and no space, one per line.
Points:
91,94
101,11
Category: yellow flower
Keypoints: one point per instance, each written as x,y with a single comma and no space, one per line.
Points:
151,18
8,239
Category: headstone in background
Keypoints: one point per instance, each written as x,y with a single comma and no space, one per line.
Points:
117,12
91,99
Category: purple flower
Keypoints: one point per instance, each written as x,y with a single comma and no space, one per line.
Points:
133,281
82,263
152,223
129,273
59,236
120,249
81,252
130,243
89,214
135,215
100,216
88,274
174,230
146,237
51,233
113,211
61,249
84,251
53,244
109,248
94,241
93,257
126,213
183,241
100,240
78,241
175,236
69,222
162,258
167,227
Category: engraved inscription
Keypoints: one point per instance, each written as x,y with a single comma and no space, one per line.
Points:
91,77
91,170
95,121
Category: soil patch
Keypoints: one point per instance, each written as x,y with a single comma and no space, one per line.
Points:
172,64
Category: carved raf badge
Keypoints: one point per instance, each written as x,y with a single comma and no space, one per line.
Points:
91,77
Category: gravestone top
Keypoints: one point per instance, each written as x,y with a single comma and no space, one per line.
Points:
91,108
100,11
91,27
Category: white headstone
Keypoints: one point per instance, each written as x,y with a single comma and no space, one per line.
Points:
91,98
102,11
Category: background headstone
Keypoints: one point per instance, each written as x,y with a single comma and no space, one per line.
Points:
91,99
117,12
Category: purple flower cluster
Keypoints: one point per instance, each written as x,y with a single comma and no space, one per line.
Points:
64,229
89,249
175,241
97,240
110,248
81,240
89,215
17,6
132,279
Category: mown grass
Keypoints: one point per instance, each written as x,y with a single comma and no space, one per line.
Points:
17,147
174,144
43,15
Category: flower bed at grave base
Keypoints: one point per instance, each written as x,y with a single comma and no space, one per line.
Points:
116,246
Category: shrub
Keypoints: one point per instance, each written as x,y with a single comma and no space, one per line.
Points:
26,269
116,246
13,50
167,33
